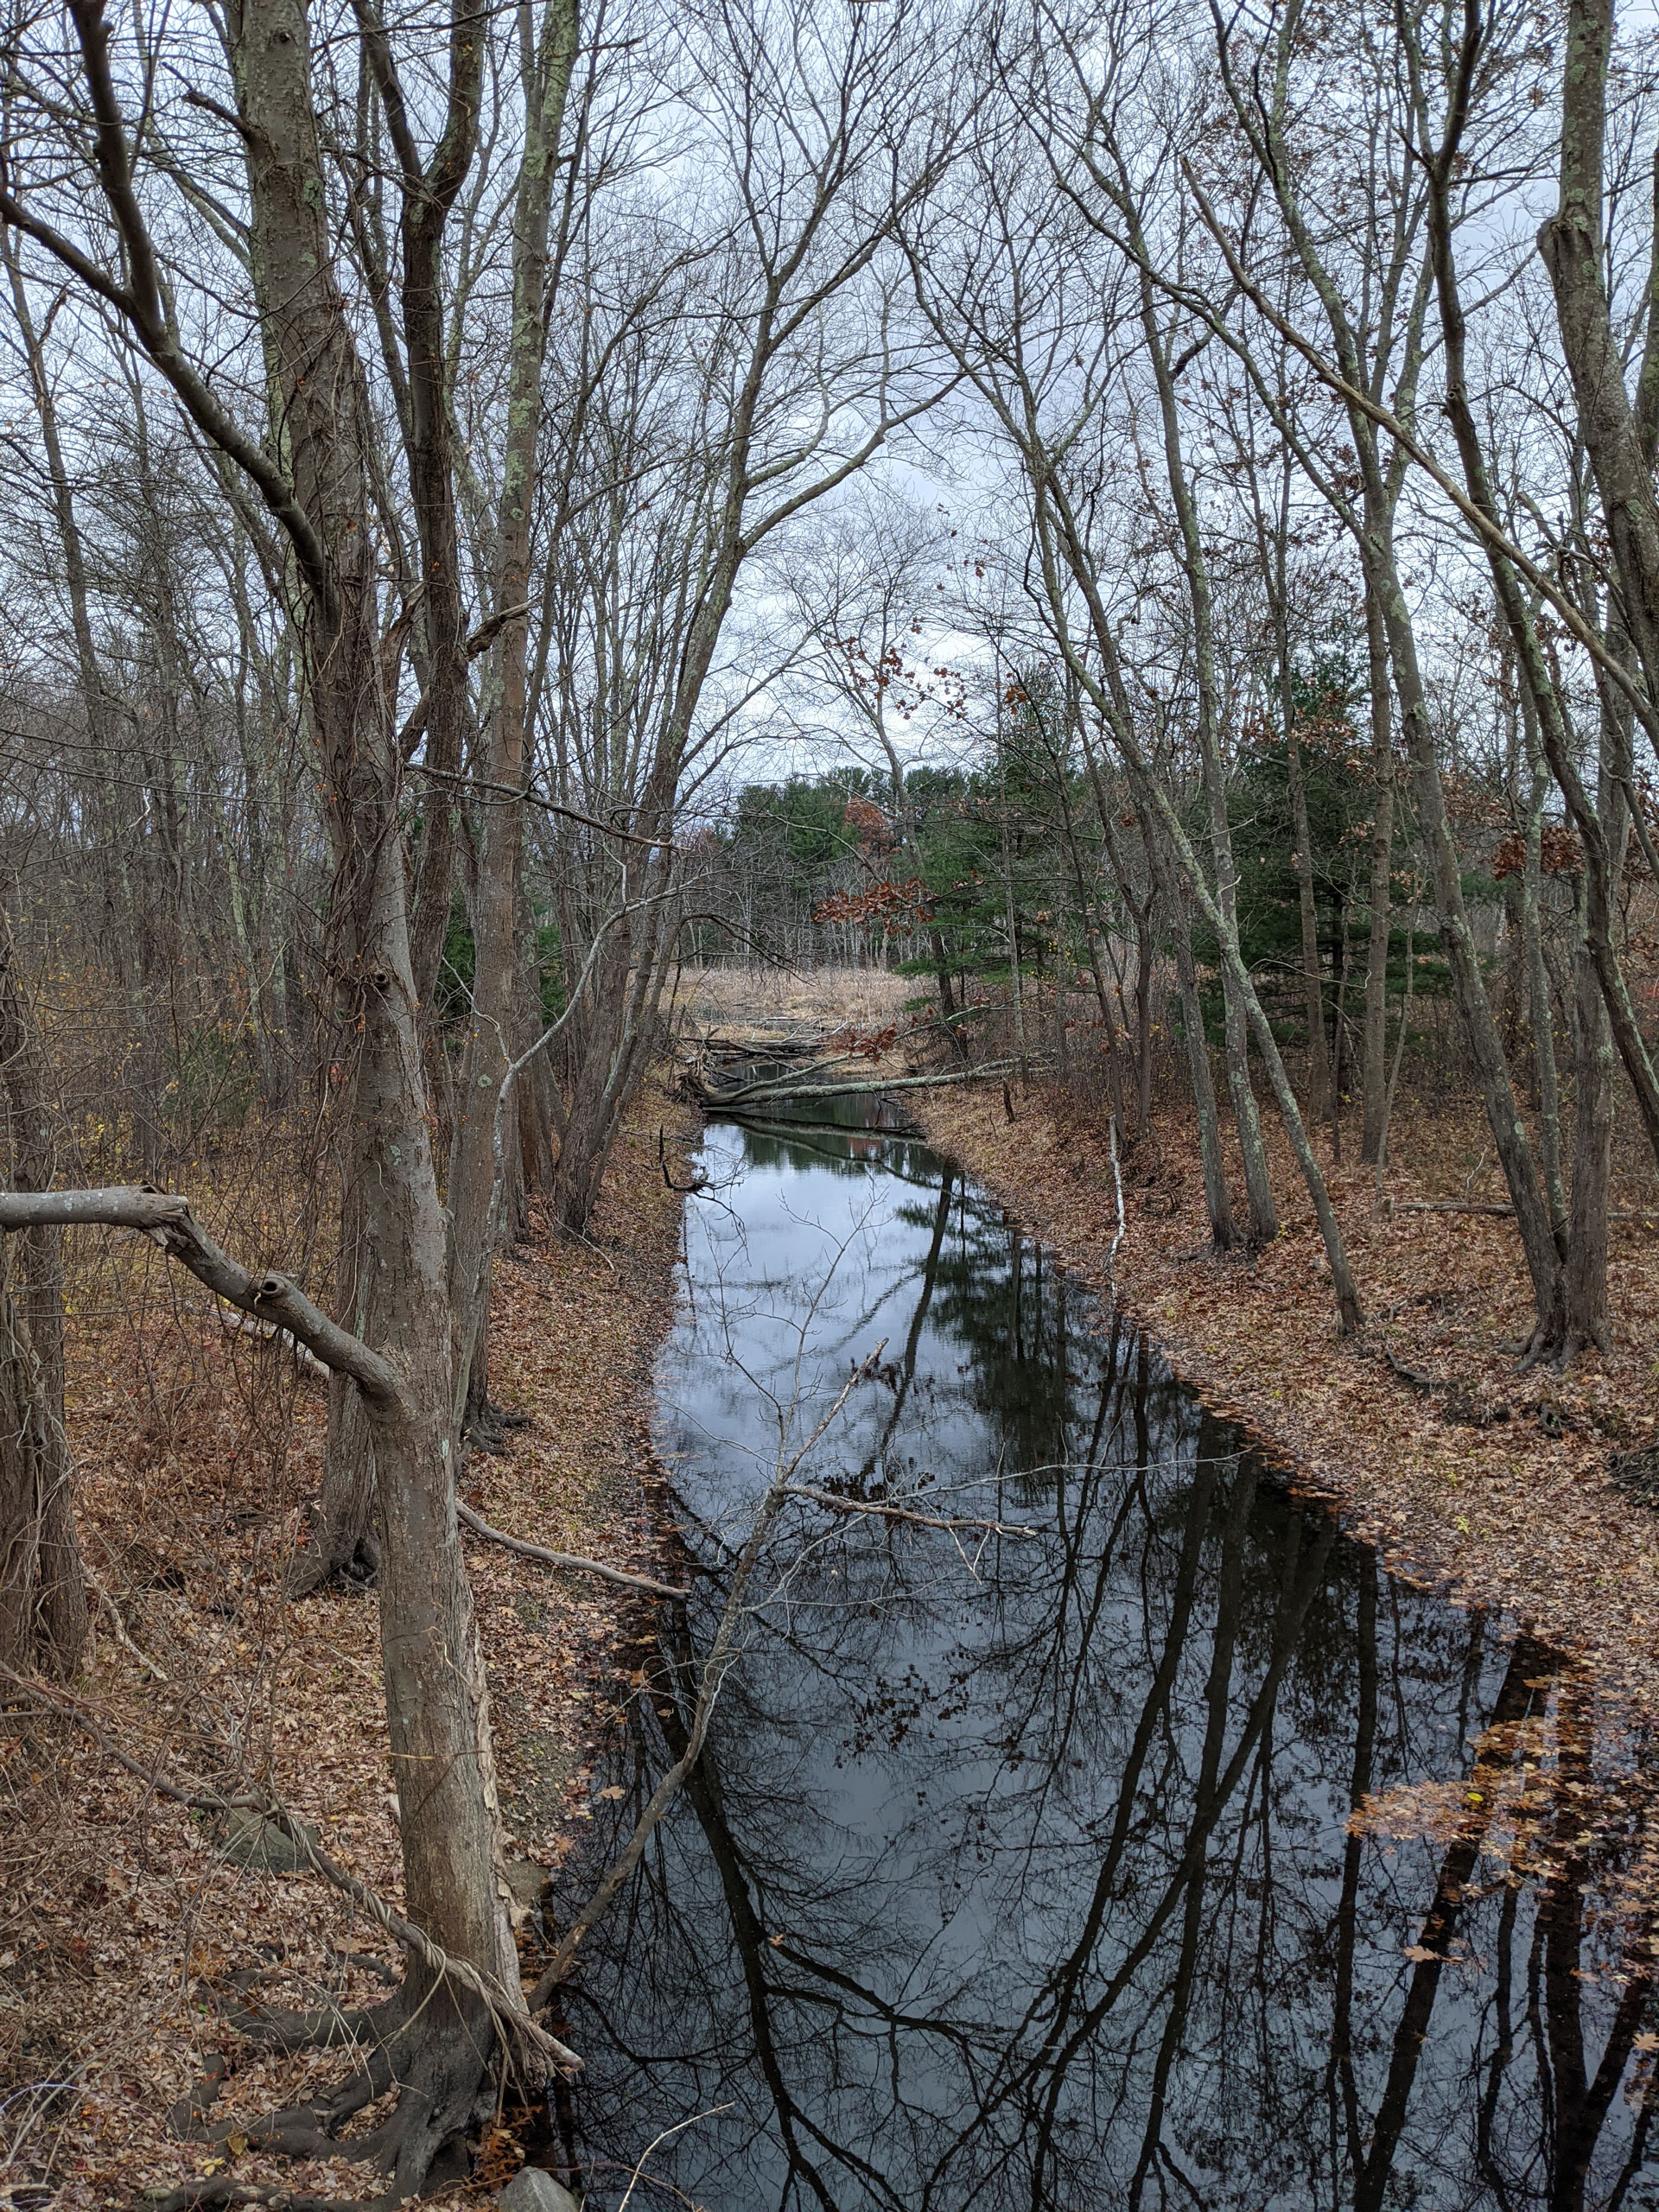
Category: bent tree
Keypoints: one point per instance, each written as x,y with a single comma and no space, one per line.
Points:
437,2039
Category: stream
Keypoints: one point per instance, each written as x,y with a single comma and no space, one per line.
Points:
1023,1869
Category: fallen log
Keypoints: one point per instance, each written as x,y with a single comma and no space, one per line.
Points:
775,1093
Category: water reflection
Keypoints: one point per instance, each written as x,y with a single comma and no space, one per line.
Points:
1178,1857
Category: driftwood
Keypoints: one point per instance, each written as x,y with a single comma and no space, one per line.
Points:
481,1527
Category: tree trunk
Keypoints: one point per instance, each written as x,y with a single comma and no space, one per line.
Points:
1539,1012
1143,1018
535,1090
1592,1155
43,1594
1374,1051
342,1540
1338,1032
1264,1216
481,1152
437,1707
1320,1077
428,192
1571,245
1223,1234
1490,1067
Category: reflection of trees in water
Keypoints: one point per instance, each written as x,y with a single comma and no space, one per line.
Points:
1038,1890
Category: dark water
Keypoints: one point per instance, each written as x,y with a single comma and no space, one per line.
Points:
1021,1873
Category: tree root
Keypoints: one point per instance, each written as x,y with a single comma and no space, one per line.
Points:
438,2050
488,1427
278,2030
317,1565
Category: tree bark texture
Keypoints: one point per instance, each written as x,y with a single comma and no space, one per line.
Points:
42,1593
437,1704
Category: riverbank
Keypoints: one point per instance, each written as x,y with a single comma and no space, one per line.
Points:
126,1923
1494,1482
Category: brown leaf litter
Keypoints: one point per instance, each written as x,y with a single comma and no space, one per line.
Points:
125,1926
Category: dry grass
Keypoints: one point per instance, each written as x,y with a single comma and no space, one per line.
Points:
733,1000
123,1927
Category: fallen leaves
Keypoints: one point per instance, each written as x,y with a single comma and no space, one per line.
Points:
1517,1513
198,1452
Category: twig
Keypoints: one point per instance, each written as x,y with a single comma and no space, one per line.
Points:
481,1527
662,2138
1476,1171
121,1636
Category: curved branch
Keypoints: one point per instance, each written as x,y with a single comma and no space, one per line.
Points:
166,1217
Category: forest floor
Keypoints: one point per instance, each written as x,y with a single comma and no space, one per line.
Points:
126,1926
1491,1482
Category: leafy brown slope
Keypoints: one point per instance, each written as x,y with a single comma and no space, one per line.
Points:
1519,1513
124,1930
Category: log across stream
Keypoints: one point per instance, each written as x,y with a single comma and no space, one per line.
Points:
1171,1853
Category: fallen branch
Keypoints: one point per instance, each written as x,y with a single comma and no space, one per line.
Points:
771,1093
839,1504
481,1527
244,1324
1495,1206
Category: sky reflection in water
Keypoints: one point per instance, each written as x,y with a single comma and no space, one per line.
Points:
1019,1873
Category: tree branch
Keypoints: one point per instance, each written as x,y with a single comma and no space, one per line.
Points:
166,1217
481,1527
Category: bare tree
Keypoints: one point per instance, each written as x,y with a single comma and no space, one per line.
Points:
437,2042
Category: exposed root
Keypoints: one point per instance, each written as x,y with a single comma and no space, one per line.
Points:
276,2029
437,2048
316,1565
